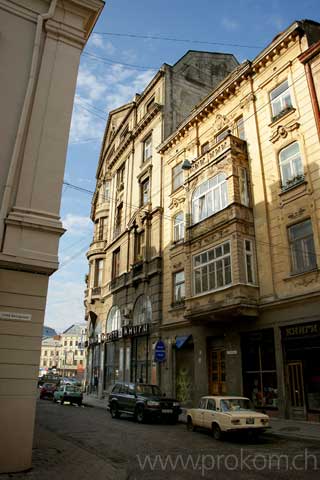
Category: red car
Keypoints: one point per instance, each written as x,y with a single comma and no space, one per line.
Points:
47,390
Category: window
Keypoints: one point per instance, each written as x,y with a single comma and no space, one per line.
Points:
142,312
290,165
212,269
178,287
178,227
52,353
145,192
210,197
65,343
120,177
222,135
114,319
45,353
302,249
240,132
150,104
76,352
205,147
147,148
98,273
118,222
211,405
139,244
280,99
243,185
70,343
248,252
44,363
177,176
81,362
116,263
107,191
100,229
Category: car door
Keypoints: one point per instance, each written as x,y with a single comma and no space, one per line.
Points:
199,412
209,413
131,398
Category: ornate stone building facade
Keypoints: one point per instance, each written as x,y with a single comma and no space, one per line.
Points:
41,43
124,295
241,247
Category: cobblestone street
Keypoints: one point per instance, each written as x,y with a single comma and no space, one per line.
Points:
85,443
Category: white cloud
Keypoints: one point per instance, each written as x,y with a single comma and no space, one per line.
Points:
100,43
77,224
229,24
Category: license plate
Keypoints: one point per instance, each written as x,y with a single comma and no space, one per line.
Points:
250,421
167,410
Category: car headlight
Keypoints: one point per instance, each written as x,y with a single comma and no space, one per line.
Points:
152,403
176,404
235,421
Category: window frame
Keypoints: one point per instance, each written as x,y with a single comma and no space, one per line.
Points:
145,181
239,128
175,285
250,254
296,175
215,270
178,226
175,175
120,176
222,135
204,197
115,263
146,148
293,251
280,97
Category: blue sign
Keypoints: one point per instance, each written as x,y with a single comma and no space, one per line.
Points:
160,351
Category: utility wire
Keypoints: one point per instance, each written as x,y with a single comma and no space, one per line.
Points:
173,39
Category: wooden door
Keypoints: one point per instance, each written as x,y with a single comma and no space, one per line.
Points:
217,372
296,389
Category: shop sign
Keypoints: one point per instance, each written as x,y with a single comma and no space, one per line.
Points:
160,351
302,330
112,336
232,352
135,330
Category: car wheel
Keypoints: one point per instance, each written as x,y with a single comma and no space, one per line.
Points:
114,411
216,432
190,426
140,415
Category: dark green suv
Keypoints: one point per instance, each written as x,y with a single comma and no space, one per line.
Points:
143,401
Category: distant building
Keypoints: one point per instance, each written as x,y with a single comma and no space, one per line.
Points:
48,332
50,354
72,358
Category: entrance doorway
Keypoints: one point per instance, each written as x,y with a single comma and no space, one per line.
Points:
296,389
217,371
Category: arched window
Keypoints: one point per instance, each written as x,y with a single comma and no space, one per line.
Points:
210,197
290,165
178,227
142,312
114,319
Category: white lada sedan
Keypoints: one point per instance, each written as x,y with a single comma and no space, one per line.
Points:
226,414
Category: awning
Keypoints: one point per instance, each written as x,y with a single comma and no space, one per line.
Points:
180,341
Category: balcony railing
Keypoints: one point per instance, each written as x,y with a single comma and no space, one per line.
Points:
96,292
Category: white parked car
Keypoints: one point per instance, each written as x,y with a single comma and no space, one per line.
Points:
226,414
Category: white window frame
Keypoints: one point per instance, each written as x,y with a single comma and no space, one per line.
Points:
299,246
178,227
147,148
279,101
248,253
243,186
294,162
206,265
205,195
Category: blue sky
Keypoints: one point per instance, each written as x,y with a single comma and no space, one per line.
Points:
103,85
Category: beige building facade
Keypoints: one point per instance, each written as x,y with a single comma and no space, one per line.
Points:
72,357
124,295
241,246
41,42
50,353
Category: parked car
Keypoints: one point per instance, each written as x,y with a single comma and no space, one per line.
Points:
47,390
48,379
68,393
226,414
143,401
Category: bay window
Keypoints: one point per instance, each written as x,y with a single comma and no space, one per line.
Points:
212,269
210,197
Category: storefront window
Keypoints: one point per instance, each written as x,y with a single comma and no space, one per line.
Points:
259,368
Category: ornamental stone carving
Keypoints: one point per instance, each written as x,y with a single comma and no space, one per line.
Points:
219,122
296,214
283,131
176,202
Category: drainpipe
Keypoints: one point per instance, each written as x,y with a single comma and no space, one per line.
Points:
23,124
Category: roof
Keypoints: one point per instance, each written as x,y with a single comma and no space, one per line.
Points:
75,329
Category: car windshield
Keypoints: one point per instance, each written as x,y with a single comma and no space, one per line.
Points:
149,390
49,385
71,388
235,404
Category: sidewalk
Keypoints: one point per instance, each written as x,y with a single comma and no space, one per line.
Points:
279,426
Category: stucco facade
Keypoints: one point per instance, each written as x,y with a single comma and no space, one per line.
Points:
241,306
124,295
41,42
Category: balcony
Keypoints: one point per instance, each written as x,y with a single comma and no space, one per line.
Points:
225,304
96,292
96,247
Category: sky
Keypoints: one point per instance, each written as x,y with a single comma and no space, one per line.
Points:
113,68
